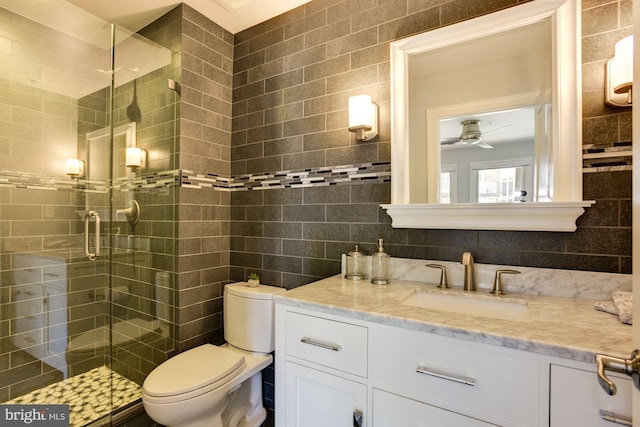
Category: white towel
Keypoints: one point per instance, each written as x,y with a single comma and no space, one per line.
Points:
623,301
621,306
606,306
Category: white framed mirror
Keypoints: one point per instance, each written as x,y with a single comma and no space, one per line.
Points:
509,82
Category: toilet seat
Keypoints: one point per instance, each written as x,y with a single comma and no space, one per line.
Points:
192,373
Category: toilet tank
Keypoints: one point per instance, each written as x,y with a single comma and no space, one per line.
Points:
249,316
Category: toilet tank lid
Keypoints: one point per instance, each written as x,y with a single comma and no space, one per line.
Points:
242,289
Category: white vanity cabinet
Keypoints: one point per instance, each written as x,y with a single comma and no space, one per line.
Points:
330,370
578,400
324,371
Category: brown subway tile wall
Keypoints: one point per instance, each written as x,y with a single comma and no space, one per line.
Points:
204,129
329,50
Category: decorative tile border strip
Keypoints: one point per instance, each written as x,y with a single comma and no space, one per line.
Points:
312,177
608,169
606,158
13,179
151,181
595,159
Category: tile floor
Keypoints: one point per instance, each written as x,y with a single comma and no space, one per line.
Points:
88,395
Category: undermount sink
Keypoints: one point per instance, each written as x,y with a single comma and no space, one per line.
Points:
471,304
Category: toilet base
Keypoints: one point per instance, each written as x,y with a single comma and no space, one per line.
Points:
244,406
256,420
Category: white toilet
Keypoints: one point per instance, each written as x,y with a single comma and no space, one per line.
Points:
219,386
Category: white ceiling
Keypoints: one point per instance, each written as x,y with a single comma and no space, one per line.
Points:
233,15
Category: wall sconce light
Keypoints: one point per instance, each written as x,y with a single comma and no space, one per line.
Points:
136,158
75,168
363,117
619,75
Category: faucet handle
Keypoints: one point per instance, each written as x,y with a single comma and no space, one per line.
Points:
443,277
497,282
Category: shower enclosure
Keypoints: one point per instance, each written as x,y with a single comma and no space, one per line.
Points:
87,204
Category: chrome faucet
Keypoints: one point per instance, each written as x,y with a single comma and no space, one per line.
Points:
469,273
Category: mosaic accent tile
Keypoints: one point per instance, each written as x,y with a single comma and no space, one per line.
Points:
312,177
607,169
153,180
90,395
23,180
595,159
605,158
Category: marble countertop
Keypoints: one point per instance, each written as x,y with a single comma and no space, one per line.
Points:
557,326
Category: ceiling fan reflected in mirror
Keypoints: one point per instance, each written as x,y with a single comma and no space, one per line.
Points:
471,135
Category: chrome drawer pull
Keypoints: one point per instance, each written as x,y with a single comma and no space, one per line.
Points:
445,376
615,418
329,346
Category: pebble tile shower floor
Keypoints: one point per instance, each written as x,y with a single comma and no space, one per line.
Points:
90,395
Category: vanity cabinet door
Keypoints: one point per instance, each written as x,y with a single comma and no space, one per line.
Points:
318,399
391,410
577,399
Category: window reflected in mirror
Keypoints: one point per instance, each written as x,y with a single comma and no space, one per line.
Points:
488,157
500,184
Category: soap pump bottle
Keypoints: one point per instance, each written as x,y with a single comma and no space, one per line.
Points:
380,266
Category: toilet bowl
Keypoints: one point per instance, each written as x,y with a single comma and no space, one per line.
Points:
219,386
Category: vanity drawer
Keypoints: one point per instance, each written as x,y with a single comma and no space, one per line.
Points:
337,345
496,385
391,410
578,400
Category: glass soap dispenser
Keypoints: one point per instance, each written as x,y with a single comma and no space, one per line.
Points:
380,266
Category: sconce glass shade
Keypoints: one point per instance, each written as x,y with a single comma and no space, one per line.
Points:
363,117
75,167
619,78
135,157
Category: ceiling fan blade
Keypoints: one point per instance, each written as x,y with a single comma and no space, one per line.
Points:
449,141
496,130
483,145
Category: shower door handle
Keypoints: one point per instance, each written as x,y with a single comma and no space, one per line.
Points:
87,220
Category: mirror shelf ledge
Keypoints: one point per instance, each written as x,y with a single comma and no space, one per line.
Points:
551,216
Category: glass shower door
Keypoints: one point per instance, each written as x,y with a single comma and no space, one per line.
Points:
86,296
56,86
